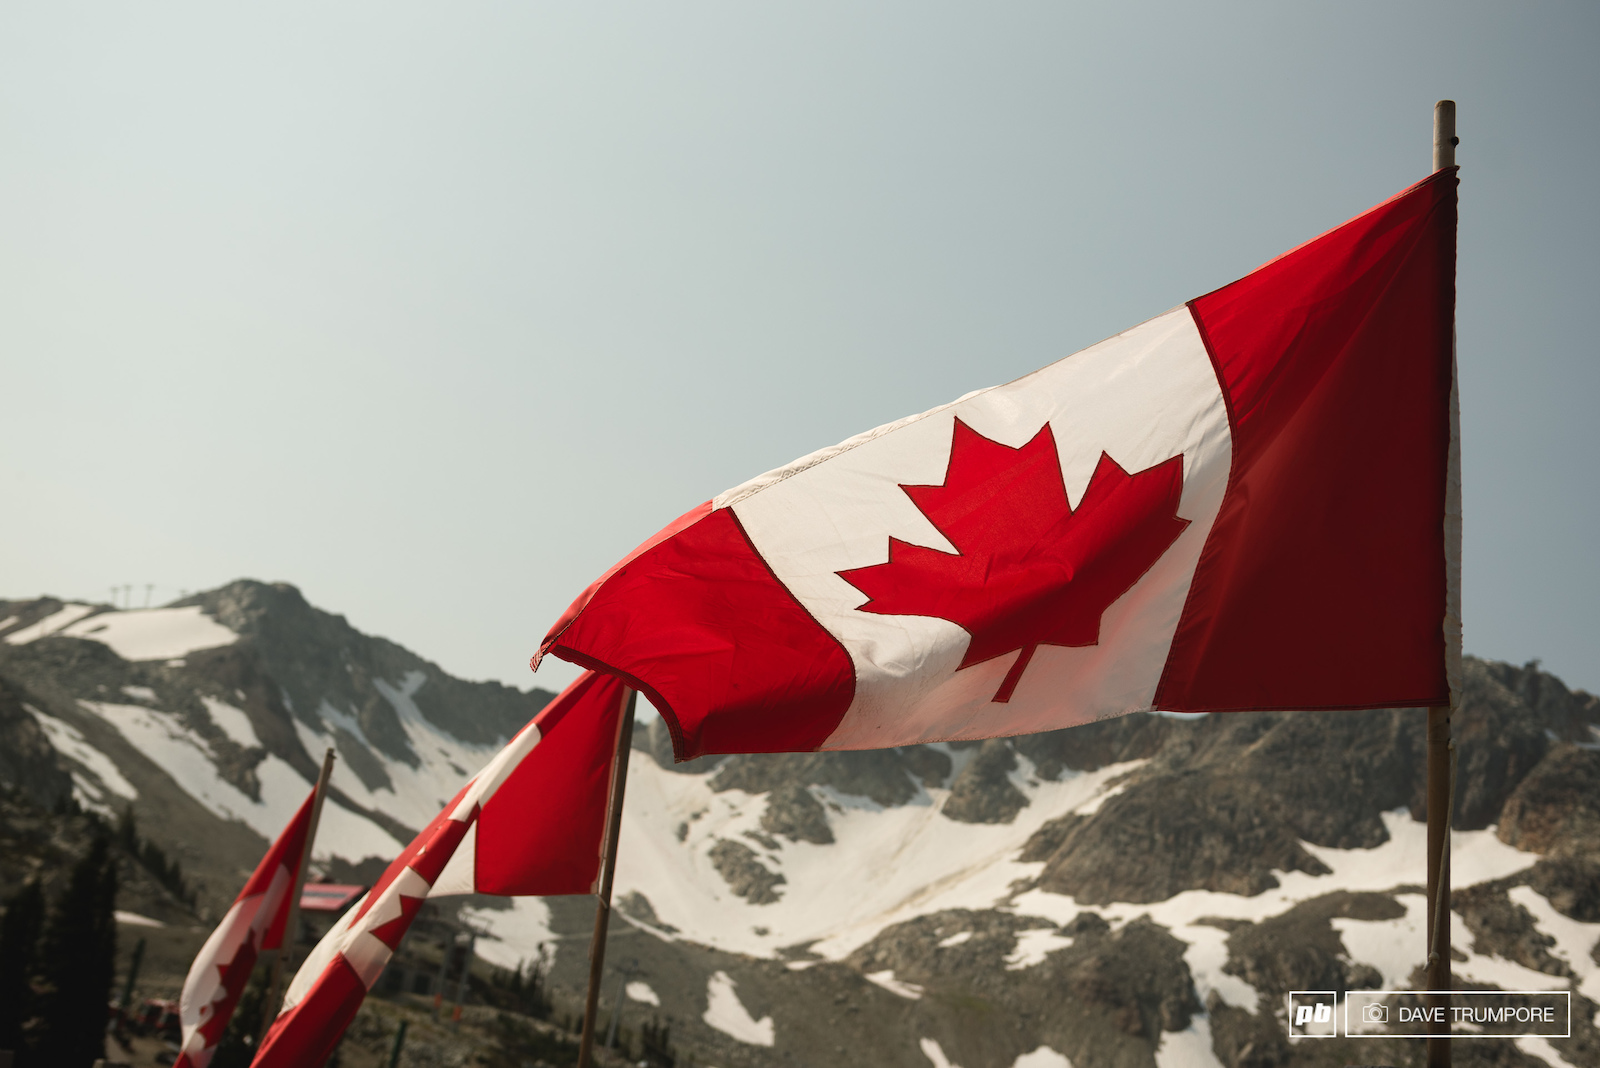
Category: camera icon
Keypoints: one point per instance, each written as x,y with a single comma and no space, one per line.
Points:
1375,1014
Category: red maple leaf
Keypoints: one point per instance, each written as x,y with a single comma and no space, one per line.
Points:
1028,570
427,856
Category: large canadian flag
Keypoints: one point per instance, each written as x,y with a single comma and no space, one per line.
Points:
1240,504
254,924
528,823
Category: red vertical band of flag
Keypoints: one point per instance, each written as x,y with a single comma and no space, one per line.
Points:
734,649
1322,584
539,832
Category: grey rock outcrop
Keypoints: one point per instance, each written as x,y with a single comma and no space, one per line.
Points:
878,774
744,873
1094,745
28,762
983,792
792,812
1126,986
1196,830
1556,808
1300,950
1503,928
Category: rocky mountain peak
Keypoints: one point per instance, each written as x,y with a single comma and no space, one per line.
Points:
334,676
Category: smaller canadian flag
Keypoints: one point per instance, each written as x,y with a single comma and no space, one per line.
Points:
253,925
528,823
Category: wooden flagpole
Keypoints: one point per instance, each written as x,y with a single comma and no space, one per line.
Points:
273,999
1441,750
608,867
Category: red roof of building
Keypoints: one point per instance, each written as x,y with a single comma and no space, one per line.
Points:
328,897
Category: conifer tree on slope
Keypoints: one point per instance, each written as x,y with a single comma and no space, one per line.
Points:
19,944
77,959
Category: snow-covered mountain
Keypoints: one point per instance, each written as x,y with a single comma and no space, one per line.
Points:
1138,893
212,714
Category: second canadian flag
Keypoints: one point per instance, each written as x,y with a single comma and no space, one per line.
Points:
528,823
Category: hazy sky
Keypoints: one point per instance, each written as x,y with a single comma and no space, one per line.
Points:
436,310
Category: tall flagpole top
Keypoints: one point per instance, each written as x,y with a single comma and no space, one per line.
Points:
1444,135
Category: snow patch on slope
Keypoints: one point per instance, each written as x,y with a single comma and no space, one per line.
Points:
444,762
233,722
727,1014
1189,1048
1391,946
153,633
514,934
1575,940
50,624
1543,1049
886,979
70,743
904,861
1033,946
1206,955
340,720
188,759
134,919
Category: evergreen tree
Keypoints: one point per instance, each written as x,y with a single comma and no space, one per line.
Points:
127,831
152,857
19,945
520,990
78,961
655,1044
